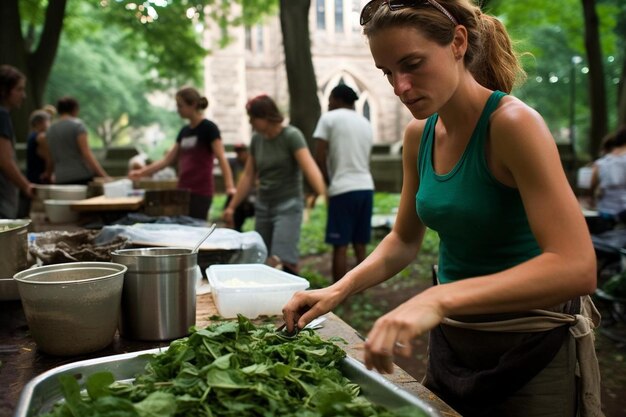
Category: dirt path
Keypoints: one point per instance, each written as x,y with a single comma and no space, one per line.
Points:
362,310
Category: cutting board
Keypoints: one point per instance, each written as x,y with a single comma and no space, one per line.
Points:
102,203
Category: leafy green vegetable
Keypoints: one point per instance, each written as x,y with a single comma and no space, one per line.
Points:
98,384
231,368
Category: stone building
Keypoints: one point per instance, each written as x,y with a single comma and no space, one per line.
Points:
254,63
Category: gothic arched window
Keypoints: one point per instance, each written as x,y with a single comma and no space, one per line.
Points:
338,16
366,110
320,14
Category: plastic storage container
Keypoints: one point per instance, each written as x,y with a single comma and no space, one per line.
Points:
119,188
251,289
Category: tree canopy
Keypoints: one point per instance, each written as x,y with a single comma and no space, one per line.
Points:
163,36
574,82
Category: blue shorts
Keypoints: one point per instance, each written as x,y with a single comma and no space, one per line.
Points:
350,218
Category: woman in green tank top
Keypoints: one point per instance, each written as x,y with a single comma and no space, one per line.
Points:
482,169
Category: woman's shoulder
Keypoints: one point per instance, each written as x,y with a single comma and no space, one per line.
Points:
293,133
415,127
209,127
413,133
208,123
292,130
512,111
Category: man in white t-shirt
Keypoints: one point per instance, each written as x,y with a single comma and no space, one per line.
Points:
343,144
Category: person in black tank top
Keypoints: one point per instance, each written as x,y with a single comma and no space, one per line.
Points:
517,264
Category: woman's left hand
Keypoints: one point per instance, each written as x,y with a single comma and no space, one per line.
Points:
394,332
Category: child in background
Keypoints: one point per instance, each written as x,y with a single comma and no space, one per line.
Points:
38,166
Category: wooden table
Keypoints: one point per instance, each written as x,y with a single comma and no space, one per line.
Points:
102,203
21,361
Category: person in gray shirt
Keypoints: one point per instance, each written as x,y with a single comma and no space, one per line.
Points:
73,161
12,94
279,155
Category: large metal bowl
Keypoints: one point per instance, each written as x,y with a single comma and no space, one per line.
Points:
13,257
72,308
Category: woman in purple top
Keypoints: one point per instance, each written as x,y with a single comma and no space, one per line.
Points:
197,144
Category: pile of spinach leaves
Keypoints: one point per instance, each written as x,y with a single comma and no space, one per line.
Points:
230,368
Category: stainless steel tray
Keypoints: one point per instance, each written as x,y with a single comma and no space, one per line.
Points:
43,391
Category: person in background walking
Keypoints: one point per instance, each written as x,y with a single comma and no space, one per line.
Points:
12,181
196,147
72,159
278,157
245,209
343,144
510,321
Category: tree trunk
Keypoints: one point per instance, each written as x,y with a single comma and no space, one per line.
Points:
304,105
36,64
597,92
621,99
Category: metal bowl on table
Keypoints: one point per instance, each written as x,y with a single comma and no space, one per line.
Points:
72,308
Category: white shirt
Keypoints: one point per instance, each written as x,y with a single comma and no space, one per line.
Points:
349,136
612,176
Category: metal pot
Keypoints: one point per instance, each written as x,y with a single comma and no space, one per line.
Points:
13,258
159,295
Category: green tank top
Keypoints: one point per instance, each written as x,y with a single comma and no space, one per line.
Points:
481,222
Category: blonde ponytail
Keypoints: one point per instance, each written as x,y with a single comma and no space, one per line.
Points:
492,60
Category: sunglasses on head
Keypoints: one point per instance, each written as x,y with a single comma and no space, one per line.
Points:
371,7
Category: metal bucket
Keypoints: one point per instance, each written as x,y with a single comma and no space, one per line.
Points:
13,259
159,295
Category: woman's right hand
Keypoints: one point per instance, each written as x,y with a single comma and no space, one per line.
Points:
228,216
305,306
135,174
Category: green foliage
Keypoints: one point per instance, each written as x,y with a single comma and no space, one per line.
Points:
110,88
229,368
217,207
555,35
114,53
32,12
167,35
362,310
386,203
313,232
315,278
